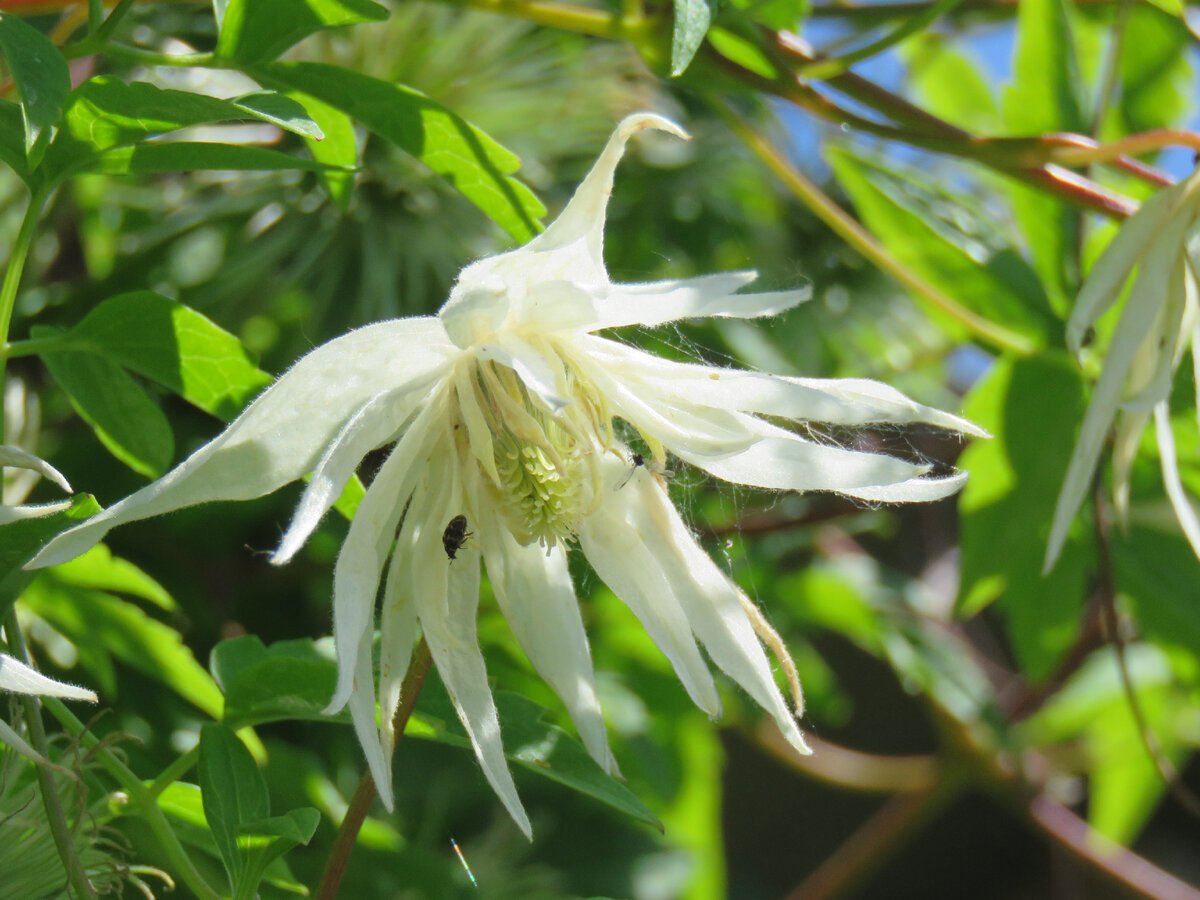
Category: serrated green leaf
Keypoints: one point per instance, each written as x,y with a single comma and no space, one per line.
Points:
173,345
257,30
923,228
100,570
234,793
691,22
128,422
1032,407
41,75
20,540
466,157
190,156
91,618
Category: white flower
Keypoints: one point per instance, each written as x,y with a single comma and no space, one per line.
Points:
503,410
16,458
1160,321
19,678
21,469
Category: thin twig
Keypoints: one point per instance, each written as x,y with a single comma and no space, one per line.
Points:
356,812
856,770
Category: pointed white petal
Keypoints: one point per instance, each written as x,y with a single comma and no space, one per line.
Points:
398,633
36,511
280,436
1158,356
915,490
539,374
839,401
1146,299
19,678
14,740
372,425
1184,511
446,595
1126,438
713,606
689,298
1108,276
362,714
618,539
19,459
356,575
535,593
581,223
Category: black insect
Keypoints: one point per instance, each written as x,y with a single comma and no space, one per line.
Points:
455,536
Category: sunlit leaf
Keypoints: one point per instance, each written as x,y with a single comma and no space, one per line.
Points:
43,81
254,30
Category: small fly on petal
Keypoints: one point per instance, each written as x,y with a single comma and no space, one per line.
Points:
462,859
455,536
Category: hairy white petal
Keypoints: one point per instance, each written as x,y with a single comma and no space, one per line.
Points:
36,511
617,539
534,590
713,605
19,459
280,436
17,743
1184,511
361,701
538,373
19,678
1147,298
356,574
398,633
707,296
915,490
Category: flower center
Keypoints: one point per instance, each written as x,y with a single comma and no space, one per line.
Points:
542,466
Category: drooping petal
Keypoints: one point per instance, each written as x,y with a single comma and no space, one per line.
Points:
19,678
690,298
1148,296
35,511
617,539
838,401
361,701
281,435
713,605
1180,502
446,595
398,633
360,563
1108,276
534,591
1149,380
372,425
18,458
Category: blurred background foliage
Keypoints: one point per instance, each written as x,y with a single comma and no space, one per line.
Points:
973,735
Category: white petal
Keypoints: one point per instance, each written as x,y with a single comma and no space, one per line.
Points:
362,713
1153,384
446,594
580,226
618,539
707,296
714,608
839,401
535,593
17,743
280,436
1108,276
372,425
1146,299
1184,511
36,511
1126,441
398,633
539,374
19,459
356,575
19,678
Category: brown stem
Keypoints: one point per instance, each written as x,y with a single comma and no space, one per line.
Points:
1027,698
843,767
356,812
1108,599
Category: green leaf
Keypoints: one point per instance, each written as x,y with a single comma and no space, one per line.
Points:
1158,80
12,148
951,86
189,156
468,159
282,110
100,570
126,420
20,540
92,619
1044,97
234,793
256,30
1032,407
288,680
104,113
692,18
173,345
1158,572
339,149
927,230
41,75
261,843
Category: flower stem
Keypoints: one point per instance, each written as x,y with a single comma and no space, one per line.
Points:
81,887
144,799
12,281
862,240
356,812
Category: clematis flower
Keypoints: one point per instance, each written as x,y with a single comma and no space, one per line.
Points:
504,410
1160,321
